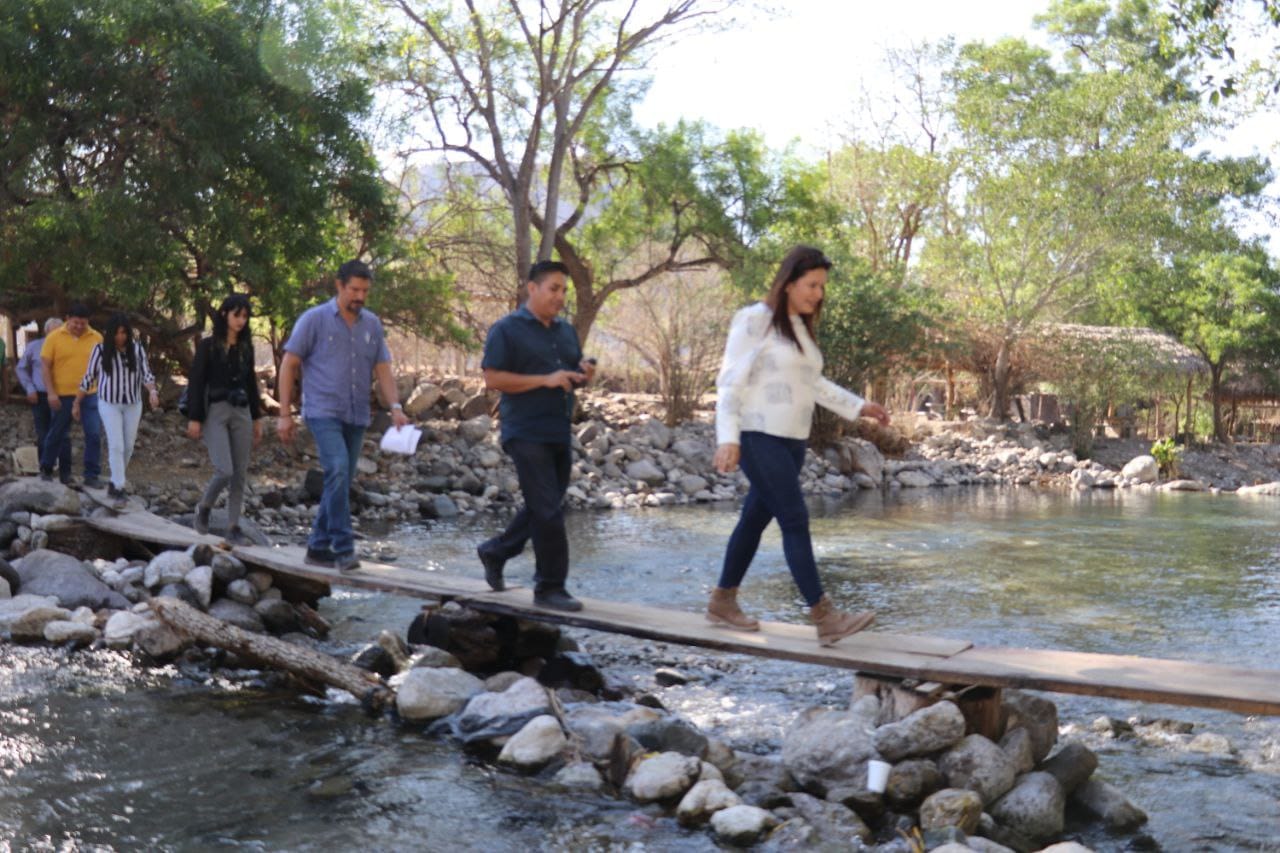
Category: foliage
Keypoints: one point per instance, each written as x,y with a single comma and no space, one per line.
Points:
159,153
1167,452
1210,31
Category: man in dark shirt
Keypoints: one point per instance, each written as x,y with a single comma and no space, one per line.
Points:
533,357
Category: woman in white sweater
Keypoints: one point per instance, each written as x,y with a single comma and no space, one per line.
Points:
770,381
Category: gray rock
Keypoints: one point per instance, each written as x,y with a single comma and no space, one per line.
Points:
261,580
489,715
67,579
476,429
540,740
1034,808
859,456
200,580
182,592
927,730
430,656
1071,765
1016,744
951,807
693,450
658,433
160,641
742,825
438,506
913,479
834,824
1143,469
278,615
829,749
1105,802
243,592
691,484
10,575
703,800
238,614
911,781
427,693
978,765
62,631
663,777
36,496
227,568
123,625
669,734
167,567
422,399
1038,716
646,472
579,776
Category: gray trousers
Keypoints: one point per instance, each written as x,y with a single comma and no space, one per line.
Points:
228,433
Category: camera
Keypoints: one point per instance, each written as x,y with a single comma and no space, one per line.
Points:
238,397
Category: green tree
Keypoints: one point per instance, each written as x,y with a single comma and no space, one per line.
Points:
158,153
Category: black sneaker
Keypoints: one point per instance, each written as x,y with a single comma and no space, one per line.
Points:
321,557
557,599
345,562
492,569
46,474
92,483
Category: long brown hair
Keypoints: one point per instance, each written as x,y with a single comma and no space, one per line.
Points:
797,262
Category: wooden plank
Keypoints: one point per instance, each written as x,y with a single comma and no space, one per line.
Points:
148,527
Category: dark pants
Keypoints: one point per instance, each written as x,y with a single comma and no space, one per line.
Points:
41,414
543,470
772,466
60,431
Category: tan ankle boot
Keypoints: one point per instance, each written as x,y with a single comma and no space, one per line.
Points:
723,610
834,625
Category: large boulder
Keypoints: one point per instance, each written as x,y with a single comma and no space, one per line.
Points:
921,732
829,749
1035,808
1143,468
1037,715
425,694
1072,765
663,777
36,496
1107,803
978,765
490,714
70,581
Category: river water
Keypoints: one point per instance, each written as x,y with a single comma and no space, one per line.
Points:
95,754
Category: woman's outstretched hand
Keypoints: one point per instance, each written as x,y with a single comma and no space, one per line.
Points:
726,458
877,411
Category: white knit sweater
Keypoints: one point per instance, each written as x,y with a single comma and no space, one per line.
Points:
768,385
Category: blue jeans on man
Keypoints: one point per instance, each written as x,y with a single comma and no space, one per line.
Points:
338,445
60,433
772,465
543,470
43,415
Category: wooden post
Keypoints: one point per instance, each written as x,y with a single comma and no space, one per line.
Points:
982,707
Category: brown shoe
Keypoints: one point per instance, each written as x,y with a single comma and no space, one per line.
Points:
834,625
723,610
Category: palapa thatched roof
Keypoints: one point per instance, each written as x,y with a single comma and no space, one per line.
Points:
1159,352
1252,387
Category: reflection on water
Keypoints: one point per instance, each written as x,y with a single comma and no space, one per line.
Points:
94,752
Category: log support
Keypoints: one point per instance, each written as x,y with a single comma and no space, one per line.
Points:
982,706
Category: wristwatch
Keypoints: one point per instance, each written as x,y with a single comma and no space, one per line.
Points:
395,406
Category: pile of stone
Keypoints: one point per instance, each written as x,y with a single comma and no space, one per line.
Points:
49,594
946,786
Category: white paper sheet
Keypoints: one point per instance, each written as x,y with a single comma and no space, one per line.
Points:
403,440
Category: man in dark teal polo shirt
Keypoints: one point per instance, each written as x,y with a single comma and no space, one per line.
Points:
533,357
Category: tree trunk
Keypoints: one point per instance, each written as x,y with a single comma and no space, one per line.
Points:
306,663
1000,383
1215,383
1190,408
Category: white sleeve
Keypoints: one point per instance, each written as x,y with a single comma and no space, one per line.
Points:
740,353
832,397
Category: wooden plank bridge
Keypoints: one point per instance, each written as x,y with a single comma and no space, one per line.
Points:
943,661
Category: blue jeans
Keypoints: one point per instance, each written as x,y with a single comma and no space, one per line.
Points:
42,416
338,445
60,431
543,471
772,466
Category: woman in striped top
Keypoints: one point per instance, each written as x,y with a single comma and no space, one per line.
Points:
768,385
118,367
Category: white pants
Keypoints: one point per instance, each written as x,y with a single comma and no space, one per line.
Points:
120,423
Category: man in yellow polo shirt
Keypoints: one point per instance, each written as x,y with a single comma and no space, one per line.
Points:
63,359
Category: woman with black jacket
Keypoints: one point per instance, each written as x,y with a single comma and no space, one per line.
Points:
224,407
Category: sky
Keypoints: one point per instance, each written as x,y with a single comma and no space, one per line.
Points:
795,75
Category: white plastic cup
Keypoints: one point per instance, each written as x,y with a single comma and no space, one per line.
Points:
878,775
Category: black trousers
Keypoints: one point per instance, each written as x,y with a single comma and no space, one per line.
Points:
543,470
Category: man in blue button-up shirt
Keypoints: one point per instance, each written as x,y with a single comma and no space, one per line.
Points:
533,357
339,348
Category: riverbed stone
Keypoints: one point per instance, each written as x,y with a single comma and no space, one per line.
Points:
24,615
122,625
160,641
1034,808
646,472
1210,743
238,614
278,615
979,765
242,591
540,740
476,429
1143,469
663,777
430,656
927,730
827,749
1106,802
489,714
911,781
957,807
182,592
834,824
742,825
914,479
70,581
1037,715
1071,765
595,727
579,776
34,495
703,800
669,734
227,568
200,580
1016,744
167,567
61,631
426,693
